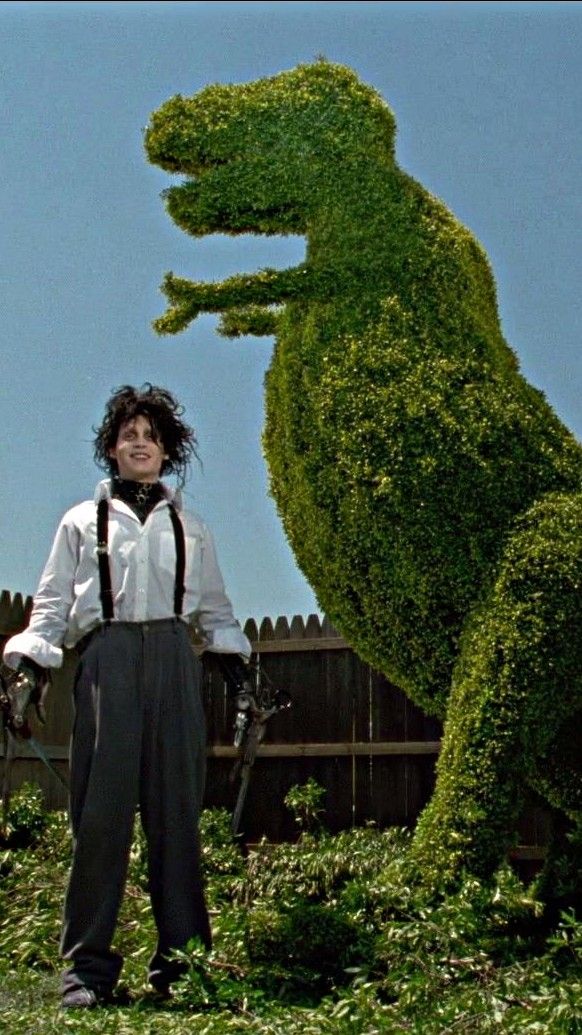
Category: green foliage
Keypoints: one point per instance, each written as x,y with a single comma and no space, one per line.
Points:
319,936
32,887
25,818
526,642
307,944
256,320
306,804
430,495
222,862
311,904
321,867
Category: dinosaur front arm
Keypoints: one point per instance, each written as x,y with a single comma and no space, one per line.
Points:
267,287
257,320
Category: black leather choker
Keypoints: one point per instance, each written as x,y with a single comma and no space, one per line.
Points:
140,496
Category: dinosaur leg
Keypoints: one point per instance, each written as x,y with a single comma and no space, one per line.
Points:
517,690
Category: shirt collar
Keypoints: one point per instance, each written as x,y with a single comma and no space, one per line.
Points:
103,492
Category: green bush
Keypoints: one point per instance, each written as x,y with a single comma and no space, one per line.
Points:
25,818
221,856
319,867
307,945
430,494
306,804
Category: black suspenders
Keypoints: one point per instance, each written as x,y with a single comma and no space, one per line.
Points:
179,587
103,561
105,592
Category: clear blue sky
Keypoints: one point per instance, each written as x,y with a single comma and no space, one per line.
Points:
488,99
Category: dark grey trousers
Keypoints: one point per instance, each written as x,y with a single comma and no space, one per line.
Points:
138,740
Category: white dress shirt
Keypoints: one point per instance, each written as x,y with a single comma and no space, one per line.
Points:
142,561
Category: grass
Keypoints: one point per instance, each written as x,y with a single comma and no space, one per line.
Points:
319,936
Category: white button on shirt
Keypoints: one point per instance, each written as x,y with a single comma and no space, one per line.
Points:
142,560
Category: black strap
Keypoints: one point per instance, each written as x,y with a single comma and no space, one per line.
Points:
179,587
105,591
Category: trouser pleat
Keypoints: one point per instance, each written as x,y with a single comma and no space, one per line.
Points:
171,791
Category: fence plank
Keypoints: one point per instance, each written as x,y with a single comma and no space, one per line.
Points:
297,628
290,646
281,629
315,750
14,612
266,631
251,630
335,750
313,627
328,630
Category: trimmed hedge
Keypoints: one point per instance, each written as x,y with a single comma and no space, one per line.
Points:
417,474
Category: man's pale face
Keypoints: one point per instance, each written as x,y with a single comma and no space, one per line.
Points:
139,456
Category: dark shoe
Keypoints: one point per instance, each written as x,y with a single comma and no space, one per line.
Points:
120,996
80,998
164,974
161,988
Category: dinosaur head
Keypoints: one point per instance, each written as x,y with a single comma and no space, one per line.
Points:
258,154
268,157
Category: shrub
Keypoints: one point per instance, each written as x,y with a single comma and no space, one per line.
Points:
309,943
430,494
306,804
25,819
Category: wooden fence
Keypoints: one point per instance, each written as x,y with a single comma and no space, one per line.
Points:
360,737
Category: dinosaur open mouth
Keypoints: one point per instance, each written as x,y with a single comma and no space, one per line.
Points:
233,197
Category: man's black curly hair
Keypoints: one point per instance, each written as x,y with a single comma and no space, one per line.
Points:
164,414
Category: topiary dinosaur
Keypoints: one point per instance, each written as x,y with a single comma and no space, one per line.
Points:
430,494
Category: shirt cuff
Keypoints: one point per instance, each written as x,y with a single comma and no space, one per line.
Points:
30,645
229,641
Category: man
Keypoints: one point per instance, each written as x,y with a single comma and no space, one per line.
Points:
129,576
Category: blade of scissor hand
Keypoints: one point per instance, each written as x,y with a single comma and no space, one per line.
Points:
9,752
41,753
240,801
253,739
